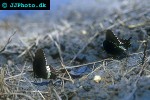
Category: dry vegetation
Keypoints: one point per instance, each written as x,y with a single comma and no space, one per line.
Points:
73,42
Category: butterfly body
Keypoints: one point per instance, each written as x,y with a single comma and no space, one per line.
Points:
112,45
112,48
40,67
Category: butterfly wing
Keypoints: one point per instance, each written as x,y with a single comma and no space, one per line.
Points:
111,37
112,44
112,48
126,42
39,64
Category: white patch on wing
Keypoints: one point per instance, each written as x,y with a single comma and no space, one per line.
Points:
48,69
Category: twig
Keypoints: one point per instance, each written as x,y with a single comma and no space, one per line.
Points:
26,50
8,41
67,73
91,63
64,78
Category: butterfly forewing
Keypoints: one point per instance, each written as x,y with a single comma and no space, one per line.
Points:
110,36
39,64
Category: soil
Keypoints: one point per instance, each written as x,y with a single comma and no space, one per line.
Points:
72,38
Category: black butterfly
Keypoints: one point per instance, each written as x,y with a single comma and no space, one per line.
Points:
114,46
40,67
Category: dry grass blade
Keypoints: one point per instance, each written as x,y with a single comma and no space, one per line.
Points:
58,47
144,52
91,63
8,41
67,73
20,94
57,95
89,41
59,50
3,86
26,50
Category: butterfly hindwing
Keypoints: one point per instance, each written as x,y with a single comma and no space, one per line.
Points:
39,65
126,42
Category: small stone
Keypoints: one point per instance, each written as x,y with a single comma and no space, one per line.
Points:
97,78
